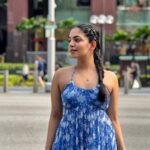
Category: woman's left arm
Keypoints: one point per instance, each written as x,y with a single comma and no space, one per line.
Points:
113,113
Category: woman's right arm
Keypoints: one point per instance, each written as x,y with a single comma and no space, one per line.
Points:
56,111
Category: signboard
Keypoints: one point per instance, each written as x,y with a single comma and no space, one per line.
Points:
50,26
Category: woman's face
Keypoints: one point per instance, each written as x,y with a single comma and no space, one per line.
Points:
79,44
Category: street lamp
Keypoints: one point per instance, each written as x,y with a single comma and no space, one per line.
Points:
102,20
50,34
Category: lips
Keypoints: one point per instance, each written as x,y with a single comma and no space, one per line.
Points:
73,50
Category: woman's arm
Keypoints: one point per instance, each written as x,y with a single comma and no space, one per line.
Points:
56,111
113,113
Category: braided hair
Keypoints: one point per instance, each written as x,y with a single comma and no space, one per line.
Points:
91,33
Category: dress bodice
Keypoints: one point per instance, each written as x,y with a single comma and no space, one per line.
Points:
74,96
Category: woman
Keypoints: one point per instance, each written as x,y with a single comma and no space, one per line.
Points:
84,99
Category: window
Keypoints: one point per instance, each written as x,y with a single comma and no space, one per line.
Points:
83,2
144,3
128,3
120,2
38,7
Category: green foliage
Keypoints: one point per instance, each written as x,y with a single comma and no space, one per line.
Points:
120,35
67,23
14,66
17,80
132,36
140,32
115,67
31,23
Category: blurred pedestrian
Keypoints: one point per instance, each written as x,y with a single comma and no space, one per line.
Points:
135,73
25,72
84,99
107,65
42,69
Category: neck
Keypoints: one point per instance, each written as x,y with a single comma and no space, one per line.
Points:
86,63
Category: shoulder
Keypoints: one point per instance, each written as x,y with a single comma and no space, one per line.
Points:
110,80
63,75
63,71
110,74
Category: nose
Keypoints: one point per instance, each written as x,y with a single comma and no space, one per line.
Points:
71,43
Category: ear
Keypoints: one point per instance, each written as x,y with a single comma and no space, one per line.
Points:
93,45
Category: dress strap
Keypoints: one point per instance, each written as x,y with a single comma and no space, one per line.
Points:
72,75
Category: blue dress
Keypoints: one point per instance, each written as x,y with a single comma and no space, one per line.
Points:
85,124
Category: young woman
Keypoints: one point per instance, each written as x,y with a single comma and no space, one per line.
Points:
84,97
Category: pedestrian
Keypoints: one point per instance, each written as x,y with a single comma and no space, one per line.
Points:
25,72
135,73
84,98
41,68
107,65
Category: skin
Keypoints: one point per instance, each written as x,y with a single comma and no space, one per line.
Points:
82,50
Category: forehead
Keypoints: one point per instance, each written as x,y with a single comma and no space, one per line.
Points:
76,32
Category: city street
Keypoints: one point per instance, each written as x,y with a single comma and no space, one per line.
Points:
24,118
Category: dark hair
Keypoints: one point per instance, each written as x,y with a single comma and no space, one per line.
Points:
91,33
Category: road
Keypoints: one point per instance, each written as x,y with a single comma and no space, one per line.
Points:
134,113
24,119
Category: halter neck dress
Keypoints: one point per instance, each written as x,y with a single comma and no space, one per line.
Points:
85,124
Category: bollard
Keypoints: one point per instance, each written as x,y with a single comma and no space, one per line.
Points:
6,74
47,87
35,81
126,83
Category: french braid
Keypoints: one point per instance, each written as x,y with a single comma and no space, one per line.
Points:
92,34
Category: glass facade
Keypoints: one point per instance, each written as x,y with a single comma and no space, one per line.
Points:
126,18
127,3
133,14
69,8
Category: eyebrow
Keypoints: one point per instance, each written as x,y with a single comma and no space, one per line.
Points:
76,36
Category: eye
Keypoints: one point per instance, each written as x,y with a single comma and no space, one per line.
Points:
77,39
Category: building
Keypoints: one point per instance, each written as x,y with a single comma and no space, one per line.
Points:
3,38
127,15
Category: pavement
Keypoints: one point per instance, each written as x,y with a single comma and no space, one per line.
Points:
24,118
24,89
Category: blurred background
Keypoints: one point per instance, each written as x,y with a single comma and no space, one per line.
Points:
24,25
28,58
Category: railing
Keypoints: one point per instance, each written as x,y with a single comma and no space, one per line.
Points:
6,79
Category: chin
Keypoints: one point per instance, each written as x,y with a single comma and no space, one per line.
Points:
74,55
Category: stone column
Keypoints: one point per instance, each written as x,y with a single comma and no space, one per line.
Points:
16,41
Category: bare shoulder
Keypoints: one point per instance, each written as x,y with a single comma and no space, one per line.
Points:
110,79
63,71
110,74
63,75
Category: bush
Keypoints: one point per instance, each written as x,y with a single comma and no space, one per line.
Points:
17,80
14,66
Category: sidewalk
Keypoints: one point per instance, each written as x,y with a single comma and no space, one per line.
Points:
22,89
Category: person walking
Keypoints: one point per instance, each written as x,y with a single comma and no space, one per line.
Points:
84,113
135,73
25,72
41,68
